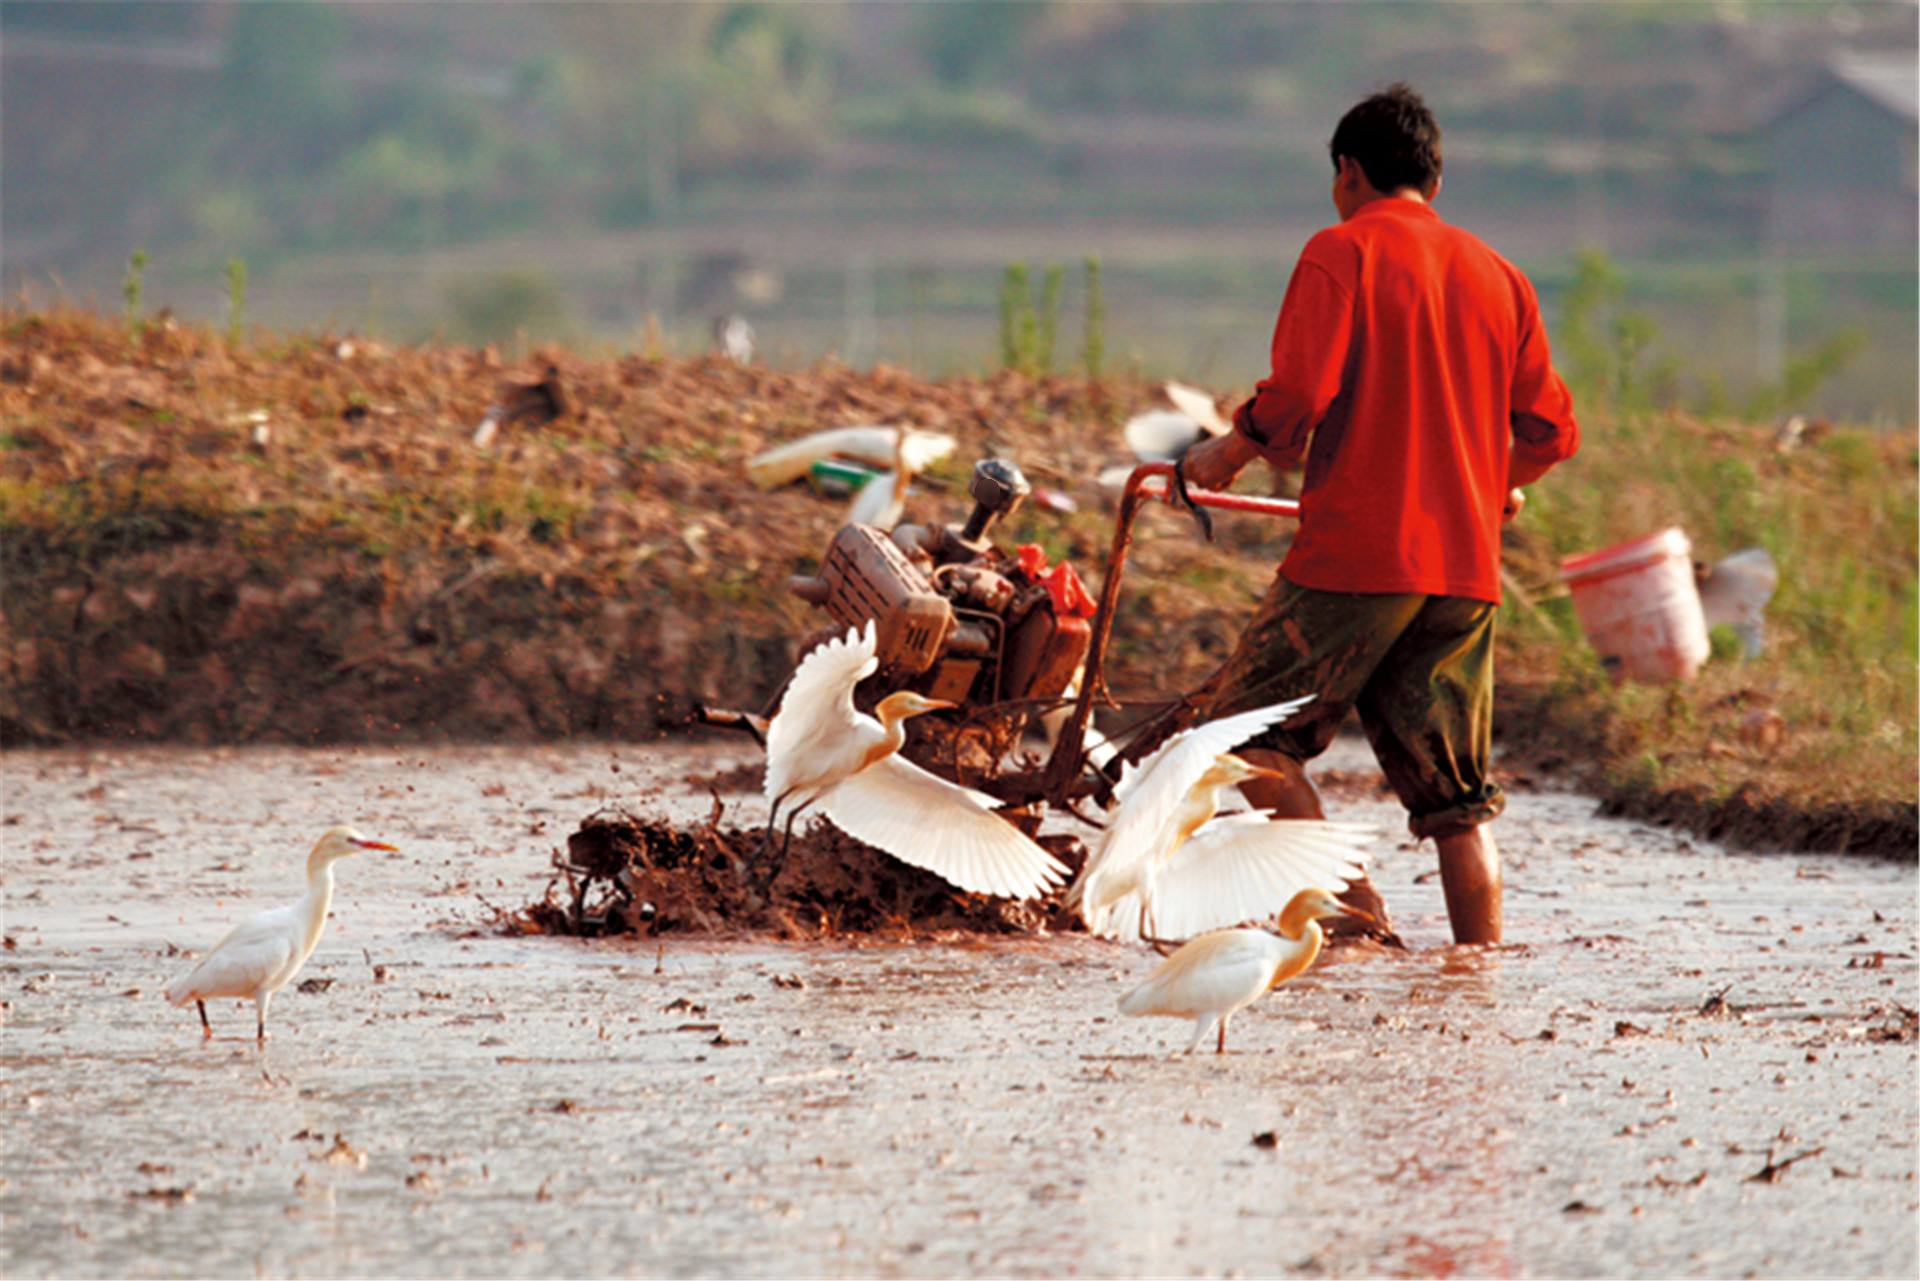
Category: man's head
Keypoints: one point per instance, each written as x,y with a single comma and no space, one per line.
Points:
1386,145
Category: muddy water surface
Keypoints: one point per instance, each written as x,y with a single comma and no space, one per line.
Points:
453,1104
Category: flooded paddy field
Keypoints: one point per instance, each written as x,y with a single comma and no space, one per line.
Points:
1685,1062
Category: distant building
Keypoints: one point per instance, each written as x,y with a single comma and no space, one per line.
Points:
1843,158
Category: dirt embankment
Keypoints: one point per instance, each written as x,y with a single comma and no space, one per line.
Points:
306,543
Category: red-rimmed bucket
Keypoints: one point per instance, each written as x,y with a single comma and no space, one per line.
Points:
1638,604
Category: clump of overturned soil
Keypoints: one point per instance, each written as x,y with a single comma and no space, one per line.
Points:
623,874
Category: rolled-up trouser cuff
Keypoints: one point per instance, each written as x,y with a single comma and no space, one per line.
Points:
1464,817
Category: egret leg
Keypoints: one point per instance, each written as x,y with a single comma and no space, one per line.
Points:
206,1028
1220,1047
773,821
1150,933
786,842
1201,1026
260,1016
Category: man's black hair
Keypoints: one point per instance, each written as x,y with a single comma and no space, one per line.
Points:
1394,139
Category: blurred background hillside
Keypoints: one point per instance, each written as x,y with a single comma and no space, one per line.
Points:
854,179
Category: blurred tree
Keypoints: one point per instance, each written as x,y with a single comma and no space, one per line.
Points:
279,93
505,304
975,41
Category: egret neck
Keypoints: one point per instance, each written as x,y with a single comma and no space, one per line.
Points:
318,899
893,712
1299,925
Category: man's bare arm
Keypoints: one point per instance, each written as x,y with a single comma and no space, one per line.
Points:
1213,464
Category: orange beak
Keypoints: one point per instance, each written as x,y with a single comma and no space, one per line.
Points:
1359,915
1261,771
940,705
378,845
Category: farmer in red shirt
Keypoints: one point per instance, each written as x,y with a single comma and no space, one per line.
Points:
1411,375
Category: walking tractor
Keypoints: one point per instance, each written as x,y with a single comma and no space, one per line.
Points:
1013,642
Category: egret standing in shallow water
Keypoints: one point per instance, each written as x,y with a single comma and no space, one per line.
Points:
821,750
1217,975
263,953
1169,868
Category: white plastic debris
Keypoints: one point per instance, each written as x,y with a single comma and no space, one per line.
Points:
872,444
489,428
733,337
1735,592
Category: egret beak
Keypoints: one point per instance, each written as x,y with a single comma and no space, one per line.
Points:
1357,914
1261,771
937,705
378,845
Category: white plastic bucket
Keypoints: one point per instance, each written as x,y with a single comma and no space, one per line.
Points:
1638,604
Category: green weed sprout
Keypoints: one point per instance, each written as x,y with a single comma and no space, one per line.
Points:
1049,317
1093,351
236,300
130,288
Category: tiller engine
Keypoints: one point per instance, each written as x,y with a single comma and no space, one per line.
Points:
959,619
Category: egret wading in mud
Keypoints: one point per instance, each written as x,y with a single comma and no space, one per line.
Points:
262,954
822,751
1171,866
1217,975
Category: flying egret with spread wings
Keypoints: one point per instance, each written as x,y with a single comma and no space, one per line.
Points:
822,751
1215,976
263,953
1171,866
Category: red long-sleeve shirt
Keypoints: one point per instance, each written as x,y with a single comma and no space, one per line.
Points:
1413,358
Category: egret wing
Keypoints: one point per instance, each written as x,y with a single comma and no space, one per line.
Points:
1214,973
241,963
1247,866
1194,749
951,831
1150,793
817,708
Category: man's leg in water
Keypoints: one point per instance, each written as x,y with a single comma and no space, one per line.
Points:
1470,875
1428,711
1327,644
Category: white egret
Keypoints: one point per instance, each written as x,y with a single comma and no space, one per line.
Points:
1169,868
1198,406
262,954
1212,978
822,751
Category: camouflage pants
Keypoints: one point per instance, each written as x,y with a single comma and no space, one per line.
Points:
1418,669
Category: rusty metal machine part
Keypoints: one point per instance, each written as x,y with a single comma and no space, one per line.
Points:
975,586
997,488
864,576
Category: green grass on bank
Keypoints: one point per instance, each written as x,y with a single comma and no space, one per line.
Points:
1838,517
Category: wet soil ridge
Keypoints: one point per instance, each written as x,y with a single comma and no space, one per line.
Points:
625,874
